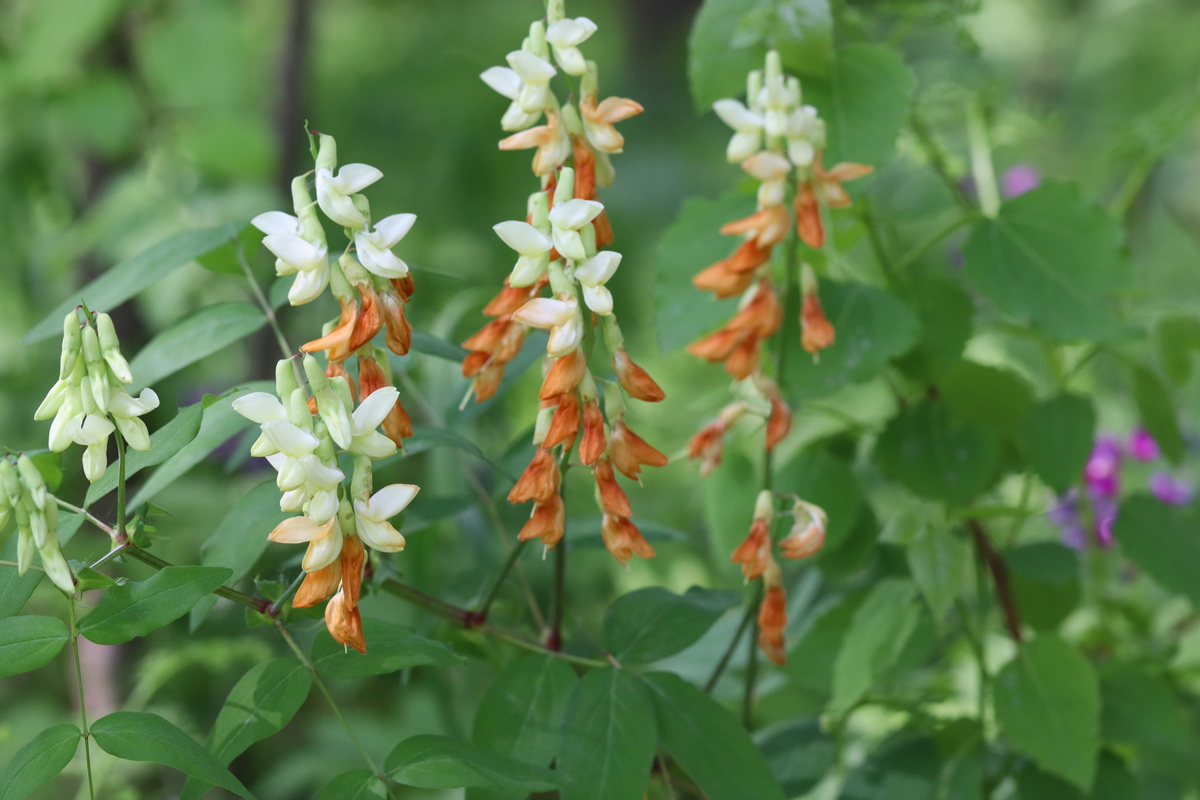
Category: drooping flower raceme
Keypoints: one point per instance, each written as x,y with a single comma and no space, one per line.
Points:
25,497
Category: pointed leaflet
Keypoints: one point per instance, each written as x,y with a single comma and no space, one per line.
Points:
903,769
940,564
37,762
1053,260
133,275
390,648
134,609
438,762
1045,583
139,736
1057,436
653,623
521,713
608,738
357,784
938,455
998,398
260,705
164,443
881,628
708,742
1157,412
1047,702
798,754
197,335
28,642
1162,540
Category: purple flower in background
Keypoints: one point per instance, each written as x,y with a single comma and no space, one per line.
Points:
1103,471
1020,179
1104,514
1064,514
1169,490
1141,445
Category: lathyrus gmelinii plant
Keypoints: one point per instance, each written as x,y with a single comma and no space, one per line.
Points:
917,353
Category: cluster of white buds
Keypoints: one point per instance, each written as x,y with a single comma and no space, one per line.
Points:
89,400
23,495
302,433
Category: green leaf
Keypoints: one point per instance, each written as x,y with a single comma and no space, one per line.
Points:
798,754
438,762
683,313
521,713
224,260
827,480
1057,436
1053,260
708,742
1045,582
220,422
817,646
140,736
864,102
881,628
1162,540
390,648
995,397
1113,781
37,762
1177,340
199,334
731,37
873,327
357,784
936,455
258,706
137,608
131,276
653,623
15,590
907,769
608,737
28,642
431,345
164,443
947,316
1142,711
1157,412
1047,701
49,465
239,540
940,564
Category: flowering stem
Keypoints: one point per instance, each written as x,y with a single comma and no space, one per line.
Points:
273,608
514,553
737,637
751,673
87,515
120,537
263,302
87,749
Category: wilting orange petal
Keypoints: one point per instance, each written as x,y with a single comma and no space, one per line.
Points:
344,624
755,550
808,218
636,380
564,375
564,425
539,481
623,539
594,442
779,423
722,281
816,331
610,495
772,621
547,522
318,585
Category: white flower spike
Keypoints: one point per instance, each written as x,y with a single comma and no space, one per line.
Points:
374,247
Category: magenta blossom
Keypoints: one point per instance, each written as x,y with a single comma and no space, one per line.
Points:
1141,445
1104,514
1064,514
1103,470
1020,179
1170,490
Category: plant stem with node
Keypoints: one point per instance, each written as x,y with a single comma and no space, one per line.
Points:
87,736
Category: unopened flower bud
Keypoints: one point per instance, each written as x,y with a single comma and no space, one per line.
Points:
97,369
285,379
72,345
110,348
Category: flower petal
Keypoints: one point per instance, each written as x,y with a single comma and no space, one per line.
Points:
767,166
308,286
522,237
570,32
289,439
296,251
319,474
391,229
598,299
531,68
260,407
389,501
734,114
598,269
575,213
296,530
503,80
277,223
374,409
545,312
324,551
379,536
353,178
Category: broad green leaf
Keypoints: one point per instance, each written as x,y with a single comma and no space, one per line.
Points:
438,762
1177,340
164,443
881,628
521,713
907,769
1053,260
140,736
50,467
357,784
258,706
1057,436
947,314
1162,540
1047,702
1113,781
131,276
995,397
197,335
936,455
798,754
137,608
873,327
37,762
816,647
390,648
219,423
1045,582
15,590
224,259
608,737
964,777
731,37
708,742
940,562
683,313
653,623
240,539
827,480
1142,711
28,642
1157,412
864,103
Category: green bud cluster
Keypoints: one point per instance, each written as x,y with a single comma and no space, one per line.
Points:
23,495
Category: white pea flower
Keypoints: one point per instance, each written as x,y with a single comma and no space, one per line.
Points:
562,317
506,82
309,260
371,516
564,37
592,275
772,169
778,95
374,247
747,126
370,414
805,134
566,219
125,412
535,73
533,247
324,540
335,193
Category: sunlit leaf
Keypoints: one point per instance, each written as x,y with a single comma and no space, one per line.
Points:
137,608
881,627
521,713
653,623
608,738
28,642
37,762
